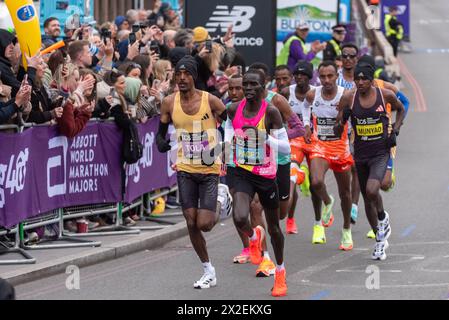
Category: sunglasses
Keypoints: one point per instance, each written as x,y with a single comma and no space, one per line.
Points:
349,56
340,31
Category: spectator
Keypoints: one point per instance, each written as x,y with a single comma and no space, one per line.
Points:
163,70
79,54
184,38
132,16
52,31
146,68
122,23
143,15
333,47
394,31
78,107
9,62
169,38
21,103
294,48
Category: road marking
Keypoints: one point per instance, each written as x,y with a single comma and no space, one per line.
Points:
408,230
431,50
420,101
320,295
364,271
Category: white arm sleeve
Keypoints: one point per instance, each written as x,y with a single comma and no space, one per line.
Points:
278,139
228,131
306,112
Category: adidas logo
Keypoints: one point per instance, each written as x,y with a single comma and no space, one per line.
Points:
205,117
380,109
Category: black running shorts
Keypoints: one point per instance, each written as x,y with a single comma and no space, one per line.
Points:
283,181
230,177
372,168
197,190
249,183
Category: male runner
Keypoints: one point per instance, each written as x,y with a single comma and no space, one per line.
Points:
367,108
254,154
266,267
345,79
389,180
330,151
194,113
299,174
282,77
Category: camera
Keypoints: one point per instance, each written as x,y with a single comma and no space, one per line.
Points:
105,34
136,28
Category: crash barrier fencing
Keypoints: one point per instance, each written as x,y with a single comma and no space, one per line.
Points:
46,179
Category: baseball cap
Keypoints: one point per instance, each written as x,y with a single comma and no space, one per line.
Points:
302,26
200,34
339,28
305,68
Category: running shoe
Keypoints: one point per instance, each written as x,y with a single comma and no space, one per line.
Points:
243,257
280,284
266,268
371,234
319,236
305,186
379,250
346,243
207,280
354,214
291,226
383,228
327,217
255,246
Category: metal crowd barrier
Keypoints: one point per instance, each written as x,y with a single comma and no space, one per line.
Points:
58,216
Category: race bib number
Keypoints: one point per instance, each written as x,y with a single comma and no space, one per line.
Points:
325,129
369,129
249,150
193,144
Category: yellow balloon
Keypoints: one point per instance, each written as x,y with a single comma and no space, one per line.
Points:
26,22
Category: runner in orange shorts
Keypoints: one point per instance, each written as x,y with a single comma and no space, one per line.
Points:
329,151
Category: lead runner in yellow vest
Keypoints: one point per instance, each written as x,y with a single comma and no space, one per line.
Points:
194,114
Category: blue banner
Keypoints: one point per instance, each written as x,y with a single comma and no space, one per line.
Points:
403,15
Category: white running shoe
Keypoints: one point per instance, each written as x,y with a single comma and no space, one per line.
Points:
207,280
383,228
379,250
225,199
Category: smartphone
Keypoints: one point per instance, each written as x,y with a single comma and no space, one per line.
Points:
156,83
132,38
154,46
209,45
136,28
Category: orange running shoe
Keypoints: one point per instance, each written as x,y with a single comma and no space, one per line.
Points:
266,268
291,226
255,246
280,284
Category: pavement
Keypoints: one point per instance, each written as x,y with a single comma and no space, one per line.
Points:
54,261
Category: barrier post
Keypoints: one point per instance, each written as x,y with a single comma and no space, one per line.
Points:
5,248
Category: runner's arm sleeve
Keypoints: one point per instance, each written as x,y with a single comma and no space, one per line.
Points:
279,140
162,144
306,112
228,131
295,126
401,96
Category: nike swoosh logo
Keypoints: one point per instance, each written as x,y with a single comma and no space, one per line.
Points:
283,198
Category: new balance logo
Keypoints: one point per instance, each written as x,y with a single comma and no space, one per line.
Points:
380,109
205,117
239,16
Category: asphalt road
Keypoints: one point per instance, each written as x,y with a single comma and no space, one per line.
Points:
417,266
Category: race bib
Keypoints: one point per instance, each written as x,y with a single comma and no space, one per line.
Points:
250,150
193,144
325,129
369,129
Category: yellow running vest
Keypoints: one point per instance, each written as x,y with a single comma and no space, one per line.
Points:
195,133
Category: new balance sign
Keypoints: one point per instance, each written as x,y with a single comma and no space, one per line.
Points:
253,21
238,16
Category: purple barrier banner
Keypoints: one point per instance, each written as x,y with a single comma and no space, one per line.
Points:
153,170
41,170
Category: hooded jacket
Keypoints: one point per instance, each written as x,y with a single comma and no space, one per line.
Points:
7,75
